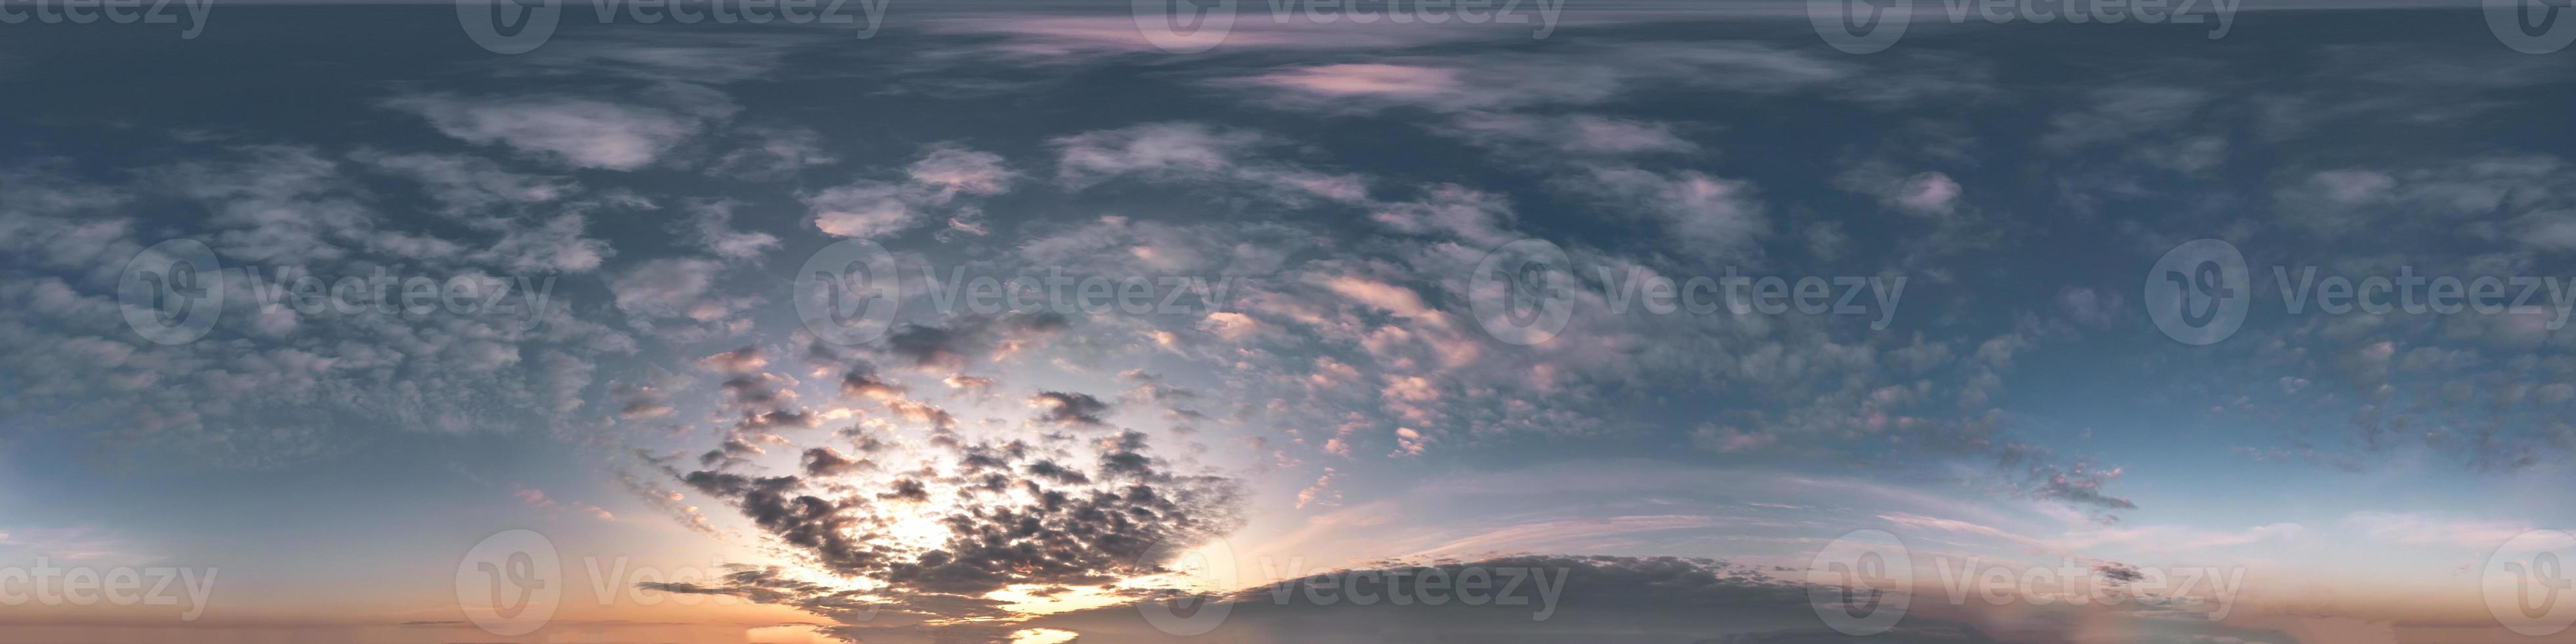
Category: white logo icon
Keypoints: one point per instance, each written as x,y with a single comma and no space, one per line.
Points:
172,292
2528,585
1190,615
2530,26
510,583
2198,292
1520,293
1860,26
509,27
1867,568
1184,26
847,293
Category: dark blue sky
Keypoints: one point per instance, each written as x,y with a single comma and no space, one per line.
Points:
668,184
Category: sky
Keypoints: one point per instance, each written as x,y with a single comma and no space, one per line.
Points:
1003,321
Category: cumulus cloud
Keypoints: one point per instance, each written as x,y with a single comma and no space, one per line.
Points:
932,186
1005,514
1063,408
1197,154
575,132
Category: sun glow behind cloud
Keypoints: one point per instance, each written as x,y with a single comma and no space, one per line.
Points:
1042,636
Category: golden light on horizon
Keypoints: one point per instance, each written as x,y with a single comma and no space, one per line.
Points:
1042,636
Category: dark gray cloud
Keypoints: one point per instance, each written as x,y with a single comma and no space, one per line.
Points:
1063,408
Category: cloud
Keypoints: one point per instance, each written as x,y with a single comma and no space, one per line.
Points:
467,184
1004,514
574,132
711,222
774,154
671,287
932,184
1677,599
1703,210
280,211
1197,154
1062,408
2426,529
